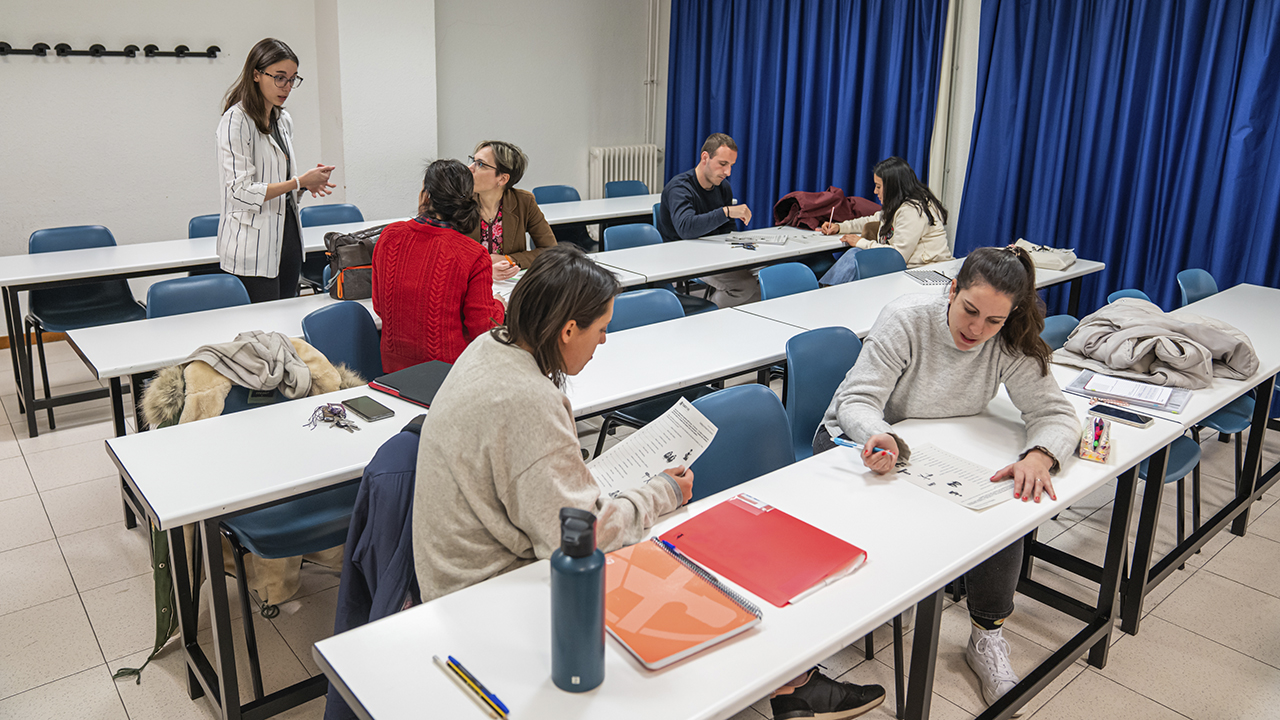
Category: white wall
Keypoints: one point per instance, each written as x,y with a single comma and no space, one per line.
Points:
555,77
964,90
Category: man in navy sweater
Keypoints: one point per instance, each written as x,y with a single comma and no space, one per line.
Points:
699,202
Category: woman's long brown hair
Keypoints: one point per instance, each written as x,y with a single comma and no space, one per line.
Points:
1010,272
266,53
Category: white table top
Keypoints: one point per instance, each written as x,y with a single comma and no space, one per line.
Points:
856,305
916,542
653,359
148,345
599,209
186,473
690,258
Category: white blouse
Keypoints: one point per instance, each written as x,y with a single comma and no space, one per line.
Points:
251,229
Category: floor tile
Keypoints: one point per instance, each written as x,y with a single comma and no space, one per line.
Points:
23,522
52,469
1232,614
74,410
280,668
106,554
748,713
9,447
1193,675
1266,524
79,429
1091,696
1251,560
83,506
15,479
302,623
89,694
45,643
33,575
123,615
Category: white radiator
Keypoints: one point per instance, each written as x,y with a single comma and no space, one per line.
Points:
624,162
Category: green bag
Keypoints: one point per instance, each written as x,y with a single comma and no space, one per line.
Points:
166,612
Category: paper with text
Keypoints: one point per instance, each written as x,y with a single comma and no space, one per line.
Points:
504,288
678,437
954,478
1119,387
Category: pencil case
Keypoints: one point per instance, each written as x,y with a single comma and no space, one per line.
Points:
1095,440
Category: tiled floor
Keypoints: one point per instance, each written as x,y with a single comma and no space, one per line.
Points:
76,603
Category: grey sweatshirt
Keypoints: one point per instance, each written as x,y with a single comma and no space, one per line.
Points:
498,458
909,367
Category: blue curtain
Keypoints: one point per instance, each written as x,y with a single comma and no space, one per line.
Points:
814,93
1143,134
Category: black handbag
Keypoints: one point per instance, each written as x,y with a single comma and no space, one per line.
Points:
351,263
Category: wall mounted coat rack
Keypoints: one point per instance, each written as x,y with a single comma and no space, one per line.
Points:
64,50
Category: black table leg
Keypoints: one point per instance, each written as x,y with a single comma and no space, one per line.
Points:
1113,561
1073,301
224,653
924,655
184,605
1250,478
10,317
1135,589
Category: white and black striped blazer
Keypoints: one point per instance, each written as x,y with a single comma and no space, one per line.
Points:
251,230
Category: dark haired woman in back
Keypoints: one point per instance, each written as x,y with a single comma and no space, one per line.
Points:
938,356
915,225
499,454
258,236
432,285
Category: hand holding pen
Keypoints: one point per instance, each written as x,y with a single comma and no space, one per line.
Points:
880,453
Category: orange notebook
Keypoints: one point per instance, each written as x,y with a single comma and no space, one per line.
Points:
764,550
662,607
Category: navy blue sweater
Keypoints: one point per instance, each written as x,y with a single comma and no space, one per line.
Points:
689,212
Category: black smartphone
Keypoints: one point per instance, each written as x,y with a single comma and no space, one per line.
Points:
366,408
1121,415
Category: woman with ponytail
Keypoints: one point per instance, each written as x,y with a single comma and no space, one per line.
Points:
433,285
938,356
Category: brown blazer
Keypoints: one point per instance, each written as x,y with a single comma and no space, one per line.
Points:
520,214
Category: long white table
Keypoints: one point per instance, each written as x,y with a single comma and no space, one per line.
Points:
634,206
693,258
916,543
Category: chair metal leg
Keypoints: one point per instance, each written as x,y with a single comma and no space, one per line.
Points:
869,647
246,614
1182,512
1239,466
899,684
605,427
44,372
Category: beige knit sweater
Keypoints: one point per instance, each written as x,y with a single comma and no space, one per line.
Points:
498,458
919,241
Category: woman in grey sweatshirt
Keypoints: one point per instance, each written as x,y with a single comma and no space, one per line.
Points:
930,356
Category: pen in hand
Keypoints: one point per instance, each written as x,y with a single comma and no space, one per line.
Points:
858,446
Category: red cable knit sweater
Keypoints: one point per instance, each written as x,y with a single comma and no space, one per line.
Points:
433,289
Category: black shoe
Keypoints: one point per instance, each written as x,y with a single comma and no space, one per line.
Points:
822,698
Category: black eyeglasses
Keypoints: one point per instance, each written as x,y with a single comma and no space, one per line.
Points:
477,161
282,80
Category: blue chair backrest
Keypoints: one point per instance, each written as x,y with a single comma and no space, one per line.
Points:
879,261
195,293
550,194
625,188
1195,284
619,237
786,279
344,332
817,361
329,214
85,296
657,207
752,439
644,307
1127,293
203,226
76,237
1056,330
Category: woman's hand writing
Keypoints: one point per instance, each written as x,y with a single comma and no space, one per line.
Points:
874,454
830,228
502,268
683,478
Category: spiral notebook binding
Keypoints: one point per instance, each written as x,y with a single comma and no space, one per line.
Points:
712,580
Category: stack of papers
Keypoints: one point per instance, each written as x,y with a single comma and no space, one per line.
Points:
1128,392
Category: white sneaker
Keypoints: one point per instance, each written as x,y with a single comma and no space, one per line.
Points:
988,656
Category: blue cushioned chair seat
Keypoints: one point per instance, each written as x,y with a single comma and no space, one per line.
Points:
1184,455
91,305
310,524
1232,418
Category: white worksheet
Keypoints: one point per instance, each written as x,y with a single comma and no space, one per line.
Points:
1119,387
504,288
678,437
954,478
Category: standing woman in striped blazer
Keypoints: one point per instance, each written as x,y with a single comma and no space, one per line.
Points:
259,240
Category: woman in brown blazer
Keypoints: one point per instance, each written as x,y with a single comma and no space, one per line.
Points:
506,213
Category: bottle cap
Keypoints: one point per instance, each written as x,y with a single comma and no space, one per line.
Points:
577,532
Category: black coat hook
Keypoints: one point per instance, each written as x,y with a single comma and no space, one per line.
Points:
97,50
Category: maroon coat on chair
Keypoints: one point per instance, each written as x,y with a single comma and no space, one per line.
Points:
811,209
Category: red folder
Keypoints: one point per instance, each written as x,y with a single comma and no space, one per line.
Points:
766,551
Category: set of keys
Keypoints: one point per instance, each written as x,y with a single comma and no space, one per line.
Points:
332,413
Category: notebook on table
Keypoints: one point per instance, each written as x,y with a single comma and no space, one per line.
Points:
929,277
766,551
417,384
662,607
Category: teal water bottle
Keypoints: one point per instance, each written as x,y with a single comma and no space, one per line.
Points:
577,604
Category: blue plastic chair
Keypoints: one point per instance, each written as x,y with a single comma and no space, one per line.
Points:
336,214
1056,330
817,362
345,332
753,438
1195,284
77,306
1183,459
657,208
625,188
879,261
550,194
621,237
193,294
203,226
785,279
634,309
1127,293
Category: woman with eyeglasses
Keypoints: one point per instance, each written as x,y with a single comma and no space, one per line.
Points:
258,235
506,213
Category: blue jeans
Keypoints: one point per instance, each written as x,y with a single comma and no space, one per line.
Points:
845,270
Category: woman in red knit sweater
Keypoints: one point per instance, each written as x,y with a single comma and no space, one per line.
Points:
433,285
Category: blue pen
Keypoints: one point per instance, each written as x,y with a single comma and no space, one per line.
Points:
487,693
851,444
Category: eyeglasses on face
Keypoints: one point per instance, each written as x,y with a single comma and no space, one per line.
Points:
283,80
477,161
